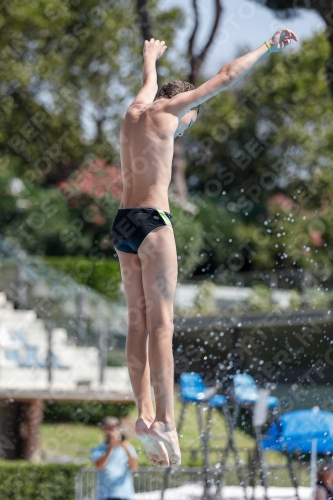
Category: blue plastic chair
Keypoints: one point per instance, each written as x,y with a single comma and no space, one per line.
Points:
246,392
192,388
194,391
293,432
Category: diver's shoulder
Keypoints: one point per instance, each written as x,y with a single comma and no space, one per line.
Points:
139,109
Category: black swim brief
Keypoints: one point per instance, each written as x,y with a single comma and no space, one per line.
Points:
132,225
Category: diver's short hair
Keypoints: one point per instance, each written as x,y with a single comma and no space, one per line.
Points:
173,88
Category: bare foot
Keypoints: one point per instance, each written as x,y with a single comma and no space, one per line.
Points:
161,432
156,450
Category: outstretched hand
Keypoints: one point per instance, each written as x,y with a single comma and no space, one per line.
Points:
154,48
281,39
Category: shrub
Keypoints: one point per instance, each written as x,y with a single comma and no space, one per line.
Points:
318,298
84,412
204,303
221,248
261,299
103,275
26,481
116,357
188,235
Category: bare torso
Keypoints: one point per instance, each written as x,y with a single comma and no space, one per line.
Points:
147,141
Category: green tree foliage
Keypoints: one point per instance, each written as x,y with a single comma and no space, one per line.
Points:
288,238
188,235
204,303
84,413
77,224
272,136
284,7
65,65
39,219
261,299
254,138
221,246
68,72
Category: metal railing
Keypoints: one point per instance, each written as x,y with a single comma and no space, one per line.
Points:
85,484
147,479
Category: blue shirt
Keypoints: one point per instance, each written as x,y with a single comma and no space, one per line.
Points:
115,480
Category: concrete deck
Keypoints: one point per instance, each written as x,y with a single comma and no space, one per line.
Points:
194,492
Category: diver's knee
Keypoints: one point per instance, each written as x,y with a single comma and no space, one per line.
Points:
162,329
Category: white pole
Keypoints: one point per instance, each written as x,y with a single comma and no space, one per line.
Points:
259,417
313,468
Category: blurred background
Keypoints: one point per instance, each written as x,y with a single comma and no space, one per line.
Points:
251,199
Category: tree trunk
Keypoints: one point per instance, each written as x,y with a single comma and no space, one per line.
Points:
31,416
145,26
144,19
329,68
196,62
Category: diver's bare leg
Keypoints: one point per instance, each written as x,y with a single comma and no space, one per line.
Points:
137,355
158,257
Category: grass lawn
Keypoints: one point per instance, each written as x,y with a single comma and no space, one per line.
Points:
68,440
75,440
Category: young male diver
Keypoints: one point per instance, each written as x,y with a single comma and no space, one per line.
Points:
143,236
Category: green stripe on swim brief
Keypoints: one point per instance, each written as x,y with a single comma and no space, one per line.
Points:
165,218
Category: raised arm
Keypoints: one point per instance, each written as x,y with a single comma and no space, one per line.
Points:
100,462
228,75
152,51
